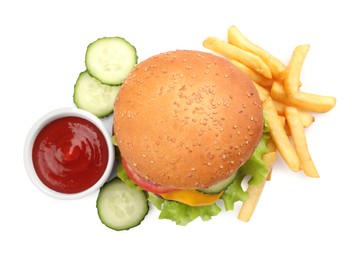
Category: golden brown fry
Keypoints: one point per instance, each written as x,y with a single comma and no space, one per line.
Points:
292,77
272,148
268,178
235,37
271,145
284,125
282,120
280,107
232,52
306,118
263,93
287,130
280,137
306,101
282,100
299,141
254,191
249,205
269,159
253,75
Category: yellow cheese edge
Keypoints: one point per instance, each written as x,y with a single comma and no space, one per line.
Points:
192,197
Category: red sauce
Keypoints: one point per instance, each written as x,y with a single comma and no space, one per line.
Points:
70,154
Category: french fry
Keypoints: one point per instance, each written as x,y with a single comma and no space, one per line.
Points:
287,109
253,75
284,125
287,130
305,101
254,191
263,93
280,107
232,52
282,120
249,205
235,37
299,141
280,137
292,80
306,118
272,148
269,159
271,145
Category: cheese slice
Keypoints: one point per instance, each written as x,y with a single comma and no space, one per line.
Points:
192,197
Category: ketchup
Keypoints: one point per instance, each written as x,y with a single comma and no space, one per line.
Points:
70,154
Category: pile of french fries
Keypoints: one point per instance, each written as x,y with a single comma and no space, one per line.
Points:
288,109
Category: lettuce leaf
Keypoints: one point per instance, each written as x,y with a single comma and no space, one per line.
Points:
121,173
255,165
181,213
234,193
255,168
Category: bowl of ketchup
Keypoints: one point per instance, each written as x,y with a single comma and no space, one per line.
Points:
68,153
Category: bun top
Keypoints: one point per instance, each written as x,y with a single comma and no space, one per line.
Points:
187,119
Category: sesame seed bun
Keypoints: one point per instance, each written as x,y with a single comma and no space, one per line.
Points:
187,119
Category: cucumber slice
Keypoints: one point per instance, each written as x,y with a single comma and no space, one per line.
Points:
110,59
220,186
93,96
120,207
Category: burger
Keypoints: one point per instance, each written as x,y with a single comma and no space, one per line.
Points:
186,122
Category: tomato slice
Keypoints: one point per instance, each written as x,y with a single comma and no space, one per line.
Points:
144,184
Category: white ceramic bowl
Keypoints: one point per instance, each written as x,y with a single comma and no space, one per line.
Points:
46,119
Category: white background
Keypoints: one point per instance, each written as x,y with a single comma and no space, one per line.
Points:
42,51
